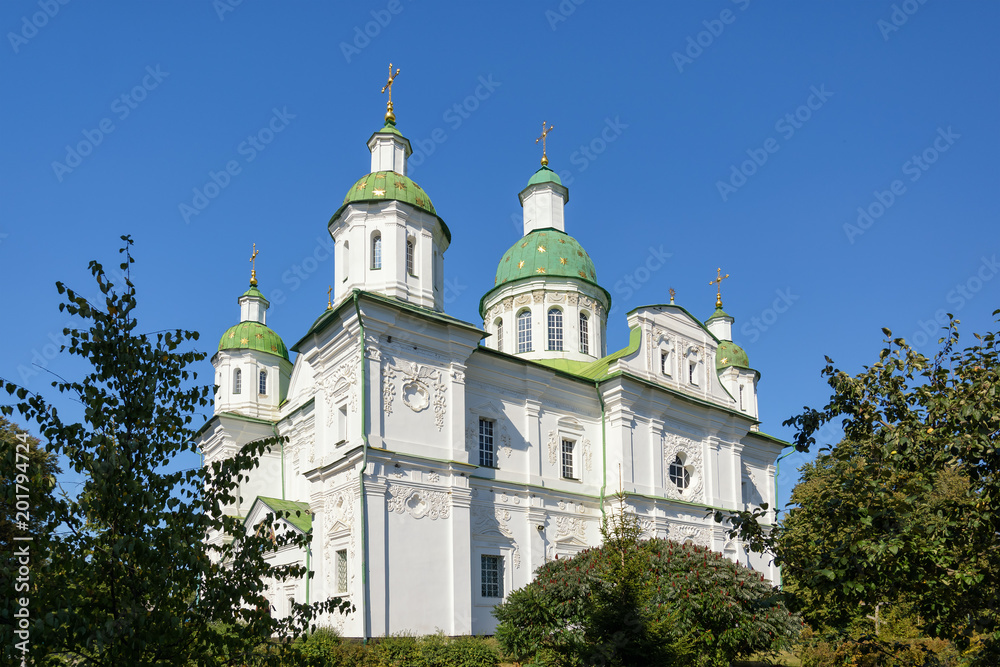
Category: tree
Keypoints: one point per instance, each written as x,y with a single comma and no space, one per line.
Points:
907,508
643,602
129,578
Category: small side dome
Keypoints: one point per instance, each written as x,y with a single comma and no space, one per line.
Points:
730,354
253,336
544,175
383,185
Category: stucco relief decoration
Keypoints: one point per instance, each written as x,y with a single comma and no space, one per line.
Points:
588,455
690,452
388,388
485,522
654,339
570,527
458,375
557,297
505,447
552,447
343,378
422,387
538,296
522,299
471,437
693,534
751,490
418,503
415,395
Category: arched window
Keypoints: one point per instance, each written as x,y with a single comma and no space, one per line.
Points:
377,251
555,330
741,397
524,331
499,326
409,257
679,475
584,334
237,381
263,382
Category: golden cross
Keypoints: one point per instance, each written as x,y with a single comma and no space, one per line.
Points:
718,290
329,301
253,265
673,293
390,117
545,133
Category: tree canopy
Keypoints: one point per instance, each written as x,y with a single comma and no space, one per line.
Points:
906,509
128,578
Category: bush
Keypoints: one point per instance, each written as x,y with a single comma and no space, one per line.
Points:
654,602
874,652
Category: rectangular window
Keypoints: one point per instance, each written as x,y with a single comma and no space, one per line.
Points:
342,571
409,256
664,362
487,452
567,459
555,330
342,423
692,378
492,573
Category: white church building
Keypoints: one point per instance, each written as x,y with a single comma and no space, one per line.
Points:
438,462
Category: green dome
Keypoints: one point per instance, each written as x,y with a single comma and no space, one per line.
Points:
544,175
730,354
383,185
253,336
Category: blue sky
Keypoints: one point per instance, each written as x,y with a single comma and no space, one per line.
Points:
837,159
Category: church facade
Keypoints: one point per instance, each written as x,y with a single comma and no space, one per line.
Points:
439,462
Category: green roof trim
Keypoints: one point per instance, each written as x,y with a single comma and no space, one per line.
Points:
544,175
718,313
731,354
253,336
565,365
597,370
544,253
770,438
300,515
680,308
390,128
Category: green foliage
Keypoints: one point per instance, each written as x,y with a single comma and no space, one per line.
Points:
635,602
128,579
906,510
430,651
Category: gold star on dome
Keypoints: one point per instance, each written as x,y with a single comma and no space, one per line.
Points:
361,185
232,334
274,348
520,264
540,269
524,245
260,336
541,248
581,274
401,185
419,201
244,341
508,258
562,240
562,260
725,360
580,253
378,193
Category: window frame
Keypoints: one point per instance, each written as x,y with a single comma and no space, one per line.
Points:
341,572
237,381
678,474
487,443
376,258
262,382
411,251
524,341
568,459
499,325
554,329
584,324
496,564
